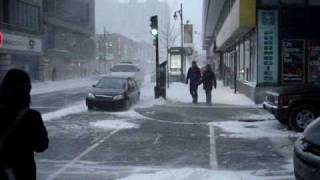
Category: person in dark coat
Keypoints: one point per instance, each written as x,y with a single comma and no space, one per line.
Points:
22,131
209,81
194,74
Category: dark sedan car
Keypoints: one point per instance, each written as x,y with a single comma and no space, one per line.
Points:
307,153
113,92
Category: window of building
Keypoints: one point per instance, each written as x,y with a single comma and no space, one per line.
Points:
253,57
26,16
241,62
247,63
5,10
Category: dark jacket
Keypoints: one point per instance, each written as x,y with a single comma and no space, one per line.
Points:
209,80
194,74
28,136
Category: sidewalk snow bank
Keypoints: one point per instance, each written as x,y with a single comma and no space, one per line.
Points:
52,86
254,130
179,92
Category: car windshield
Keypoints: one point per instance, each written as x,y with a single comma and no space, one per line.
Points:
124,68
112,83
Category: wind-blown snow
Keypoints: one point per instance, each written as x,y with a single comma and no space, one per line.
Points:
179,92
73,109
249,116
114,124
52,86
259,129
193,174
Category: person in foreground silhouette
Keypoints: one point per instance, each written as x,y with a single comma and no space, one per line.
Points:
22,131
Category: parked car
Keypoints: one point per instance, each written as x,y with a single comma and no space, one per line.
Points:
307,153
294,106
128,70
113,92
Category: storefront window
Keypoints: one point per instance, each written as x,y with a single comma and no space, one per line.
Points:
241,62
253,58
314,62
293,61
247,67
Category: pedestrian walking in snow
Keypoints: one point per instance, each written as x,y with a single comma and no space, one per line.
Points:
22,131
209,81
194,74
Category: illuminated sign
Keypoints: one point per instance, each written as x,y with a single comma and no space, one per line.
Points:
1,39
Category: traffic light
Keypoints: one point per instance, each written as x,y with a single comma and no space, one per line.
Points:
154,25
1,39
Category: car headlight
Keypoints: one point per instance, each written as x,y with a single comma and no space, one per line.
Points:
118,97
90,96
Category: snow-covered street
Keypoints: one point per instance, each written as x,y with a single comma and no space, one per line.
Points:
161,140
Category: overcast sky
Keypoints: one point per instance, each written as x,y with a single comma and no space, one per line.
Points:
192,12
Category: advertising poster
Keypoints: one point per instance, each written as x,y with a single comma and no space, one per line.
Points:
268,47
188,34
314,61
293,61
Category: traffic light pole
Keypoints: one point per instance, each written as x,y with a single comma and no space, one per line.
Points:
157,88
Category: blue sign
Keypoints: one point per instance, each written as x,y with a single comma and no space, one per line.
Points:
268,48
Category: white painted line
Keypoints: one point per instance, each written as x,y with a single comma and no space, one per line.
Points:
213,151
76,159
157,139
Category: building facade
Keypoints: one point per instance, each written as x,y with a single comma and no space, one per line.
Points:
69,38
21,43
115,48
257,45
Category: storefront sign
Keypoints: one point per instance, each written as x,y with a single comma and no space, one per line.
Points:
293,61
268,46
314,61
21,43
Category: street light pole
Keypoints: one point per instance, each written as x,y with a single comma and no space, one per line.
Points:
182,49
180,12
105,48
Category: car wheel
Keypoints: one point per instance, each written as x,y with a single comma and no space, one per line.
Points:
301,117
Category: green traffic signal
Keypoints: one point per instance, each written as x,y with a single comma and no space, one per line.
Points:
154,25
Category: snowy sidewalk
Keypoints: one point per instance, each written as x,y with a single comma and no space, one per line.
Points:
179,92
52,86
